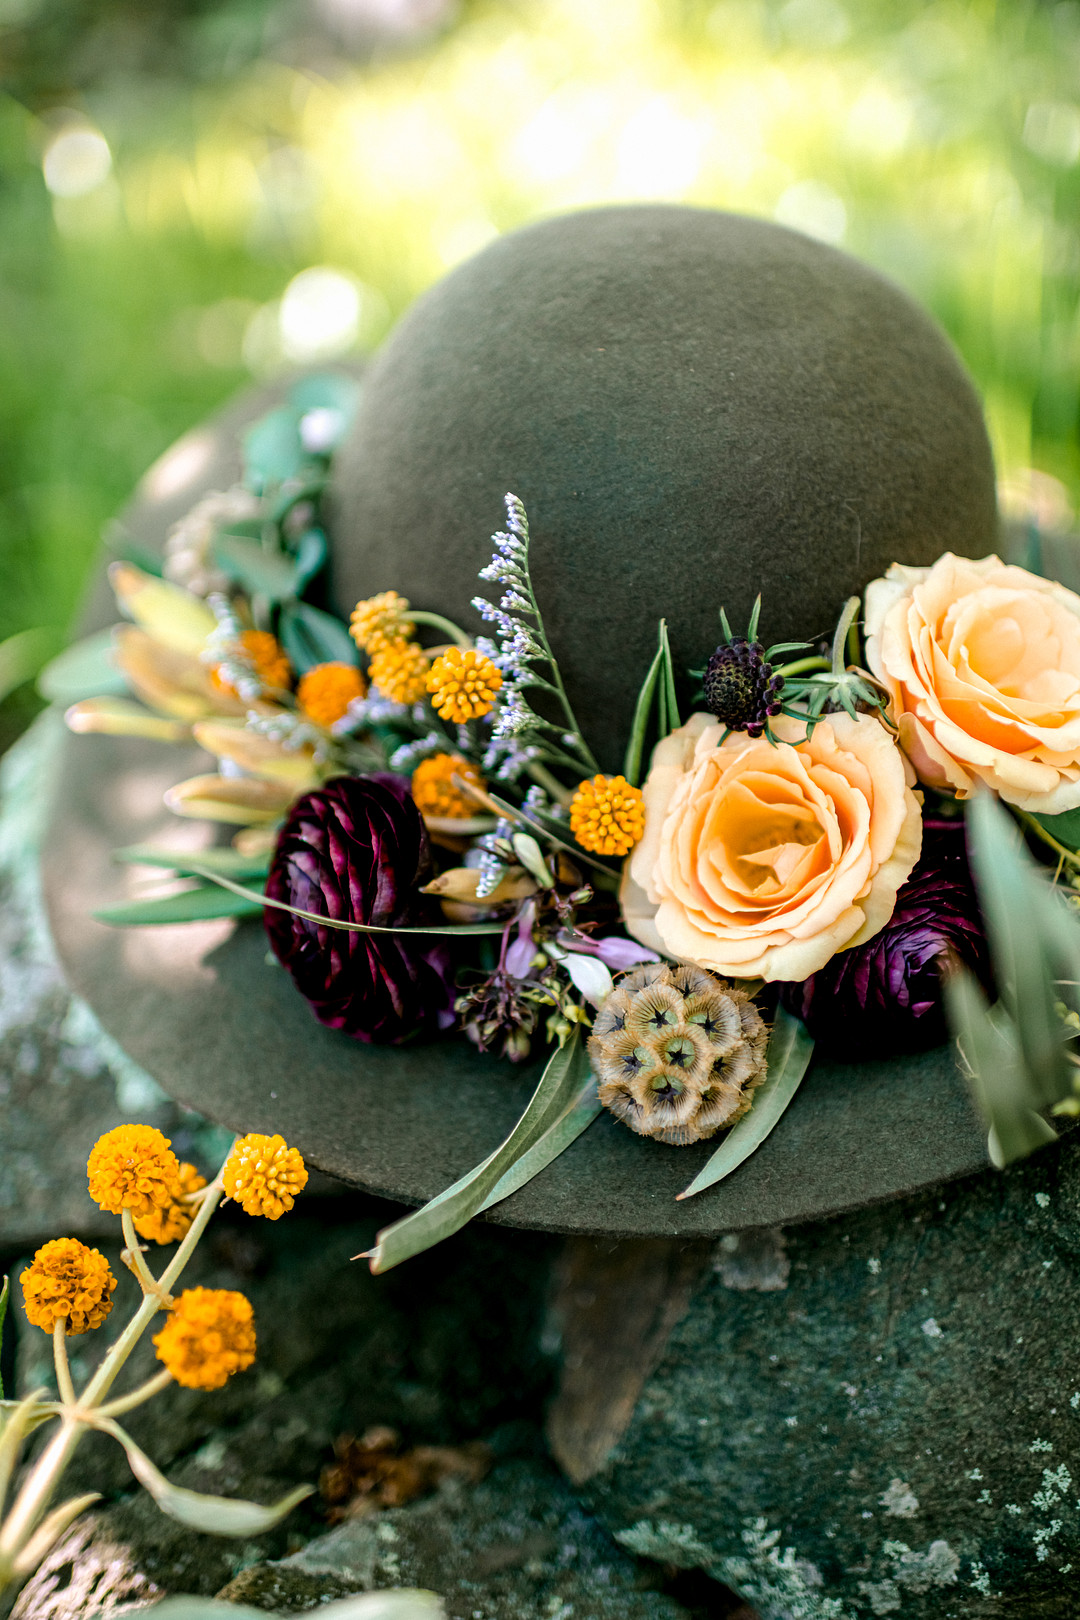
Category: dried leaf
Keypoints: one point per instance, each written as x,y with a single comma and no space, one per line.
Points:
49,1532
173,616
166,679
262,756
244,801
377,1472
460,883
404,1603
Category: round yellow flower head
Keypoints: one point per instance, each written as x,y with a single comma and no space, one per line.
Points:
132,1167
263,1175
434,790
67,1282
170,1223
209,1335
271,665
400,671
380,620
326,691
607,815
463,684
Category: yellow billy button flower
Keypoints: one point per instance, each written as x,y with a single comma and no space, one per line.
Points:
132,1167
209,1335
70,1283
400,671
380,620
171,1221
463,684
434,790
326,691
263,1175
607,815
271,665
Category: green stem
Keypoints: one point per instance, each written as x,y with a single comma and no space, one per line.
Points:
136,1263
436,620
803,666
144,1392
1069,856
64,1385
847,619
543,778
560,690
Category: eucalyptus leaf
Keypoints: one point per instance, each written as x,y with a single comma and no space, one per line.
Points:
271,574
191,905
213,1515
261,901
556,1139
83,670
311,555
22,655
272,449
635,748
405,1603
790,1049
310,636
999,1080
560,1083
1065,828
325,390
229,862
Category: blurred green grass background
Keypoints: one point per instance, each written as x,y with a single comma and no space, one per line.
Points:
169,167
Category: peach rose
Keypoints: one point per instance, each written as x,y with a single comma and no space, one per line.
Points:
762,861
983,664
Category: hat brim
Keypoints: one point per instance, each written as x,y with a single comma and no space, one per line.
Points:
223,1030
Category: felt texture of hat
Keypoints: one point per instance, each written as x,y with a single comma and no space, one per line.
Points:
694,407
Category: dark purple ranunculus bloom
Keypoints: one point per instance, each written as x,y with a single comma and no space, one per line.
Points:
357,850
885,997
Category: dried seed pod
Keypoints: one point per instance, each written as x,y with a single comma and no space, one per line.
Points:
677,1052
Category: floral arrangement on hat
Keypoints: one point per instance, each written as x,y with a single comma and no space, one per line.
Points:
435,850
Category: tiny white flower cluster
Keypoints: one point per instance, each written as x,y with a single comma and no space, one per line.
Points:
225,652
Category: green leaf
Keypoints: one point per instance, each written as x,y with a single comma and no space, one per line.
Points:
311,555
560,1084
83,670
668,679
4,1293
1065,828
635,748
789,1054
271,574
22,655
999,1081
272,449
579,1115
260,901
191,905
229,862
402,1603
325,390
213,1515
311,637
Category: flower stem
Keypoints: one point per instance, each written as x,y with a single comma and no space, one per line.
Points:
60,1360
1069,856
839,646
803,666
133,1257
144,1392
437,621
543,778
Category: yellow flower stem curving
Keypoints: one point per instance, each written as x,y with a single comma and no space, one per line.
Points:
436,620
64,1385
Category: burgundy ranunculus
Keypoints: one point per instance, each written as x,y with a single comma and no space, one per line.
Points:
357,850
885,997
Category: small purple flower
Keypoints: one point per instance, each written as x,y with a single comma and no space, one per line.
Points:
885,997
357,850
519,956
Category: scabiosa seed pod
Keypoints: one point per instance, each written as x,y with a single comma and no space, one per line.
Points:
677,1052
740,687
885,998
357,850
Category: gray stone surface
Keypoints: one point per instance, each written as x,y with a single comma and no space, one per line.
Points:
516,1547
877,1415
694,407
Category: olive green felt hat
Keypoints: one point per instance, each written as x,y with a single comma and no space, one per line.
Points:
695,407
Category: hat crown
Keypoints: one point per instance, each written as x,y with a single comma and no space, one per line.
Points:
694,406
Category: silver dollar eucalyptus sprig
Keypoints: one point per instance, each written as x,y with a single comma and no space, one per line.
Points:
522,652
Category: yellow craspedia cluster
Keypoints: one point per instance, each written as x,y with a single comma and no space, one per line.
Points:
70,1283
607,815
170,1222
208,1336
271,665
132,1167
263,1175
400,671
380,620
463,684
434,790
326,691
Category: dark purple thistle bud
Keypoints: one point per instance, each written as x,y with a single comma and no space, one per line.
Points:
357,850
885,997
740,687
